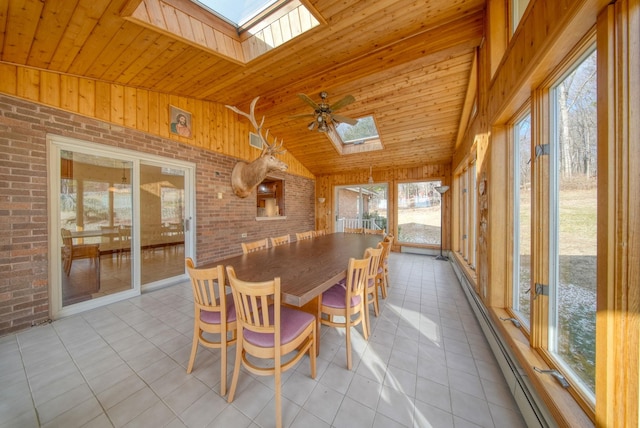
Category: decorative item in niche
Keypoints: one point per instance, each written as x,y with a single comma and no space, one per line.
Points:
180,122
246,176
270,198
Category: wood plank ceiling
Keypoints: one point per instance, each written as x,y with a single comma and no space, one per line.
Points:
407,63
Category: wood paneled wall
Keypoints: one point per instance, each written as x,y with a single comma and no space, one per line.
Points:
214,126
534,49
326,184
618,316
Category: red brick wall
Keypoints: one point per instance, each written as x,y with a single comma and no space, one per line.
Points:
24,219
348,203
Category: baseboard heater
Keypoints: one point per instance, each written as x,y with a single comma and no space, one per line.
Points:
533,409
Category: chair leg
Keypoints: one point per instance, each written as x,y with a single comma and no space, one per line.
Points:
365,320
348,334
312,351
98,270
67,266
223,363
366,312
376,307
278,393
236,369
383,286
194,347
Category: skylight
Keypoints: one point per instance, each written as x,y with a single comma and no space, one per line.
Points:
364,130
260,25
237,12
359,138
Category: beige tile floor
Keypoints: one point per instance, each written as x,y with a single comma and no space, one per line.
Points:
427,364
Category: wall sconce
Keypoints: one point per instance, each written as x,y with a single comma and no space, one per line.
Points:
321,200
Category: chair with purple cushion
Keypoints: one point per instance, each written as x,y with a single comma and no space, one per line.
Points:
250,247
280,240
301,236
267,330
382,280
346,300
214,314
371,289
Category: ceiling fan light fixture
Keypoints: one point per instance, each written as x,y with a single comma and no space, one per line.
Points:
323,111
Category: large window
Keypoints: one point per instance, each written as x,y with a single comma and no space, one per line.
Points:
573,220
554,223
468,194
522,218
419,212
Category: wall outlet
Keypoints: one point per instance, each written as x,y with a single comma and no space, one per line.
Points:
244,235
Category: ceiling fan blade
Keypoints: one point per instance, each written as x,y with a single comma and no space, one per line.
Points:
309,101
344,119
343,102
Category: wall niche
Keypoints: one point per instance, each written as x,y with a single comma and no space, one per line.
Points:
270,199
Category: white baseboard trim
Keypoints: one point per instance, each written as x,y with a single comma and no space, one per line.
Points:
418,250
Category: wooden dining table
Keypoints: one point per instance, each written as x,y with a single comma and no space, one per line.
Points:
306,268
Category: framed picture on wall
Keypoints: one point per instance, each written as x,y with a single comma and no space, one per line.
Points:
180,122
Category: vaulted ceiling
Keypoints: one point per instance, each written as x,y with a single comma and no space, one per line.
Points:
407,63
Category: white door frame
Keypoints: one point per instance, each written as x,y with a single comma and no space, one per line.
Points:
55,144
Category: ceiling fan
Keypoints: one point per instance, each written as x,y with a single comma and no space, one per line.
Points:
323,112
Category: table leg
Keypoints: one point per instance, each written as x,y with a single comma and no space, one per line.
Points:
314,307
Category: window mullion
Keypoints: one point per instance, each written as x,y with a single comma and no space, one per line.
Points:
540,168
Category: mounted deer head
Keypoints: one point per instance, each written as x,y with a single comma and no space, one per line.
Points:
246,176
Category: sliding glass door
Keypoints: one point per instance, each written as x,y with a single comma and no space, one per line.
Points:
119,223
162,226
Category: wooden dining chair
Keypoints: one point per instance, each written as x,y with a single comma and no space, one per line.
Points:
71,252
374,231
250,247
371,287
214,313
320,232
382,279
304,235
269,331
353,230
348,300
280,240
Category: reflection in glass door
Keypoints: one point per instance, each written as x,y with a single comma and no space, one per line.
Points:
162,214
95,212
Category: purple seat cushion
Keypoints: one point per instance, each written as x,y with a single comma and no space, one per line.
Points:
211,317
292,323
336,297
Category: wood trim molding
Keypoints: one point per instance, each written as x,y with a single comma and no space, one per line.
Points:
618,306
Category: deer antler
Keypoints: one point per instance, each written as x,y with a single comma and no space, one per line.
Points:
270,149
